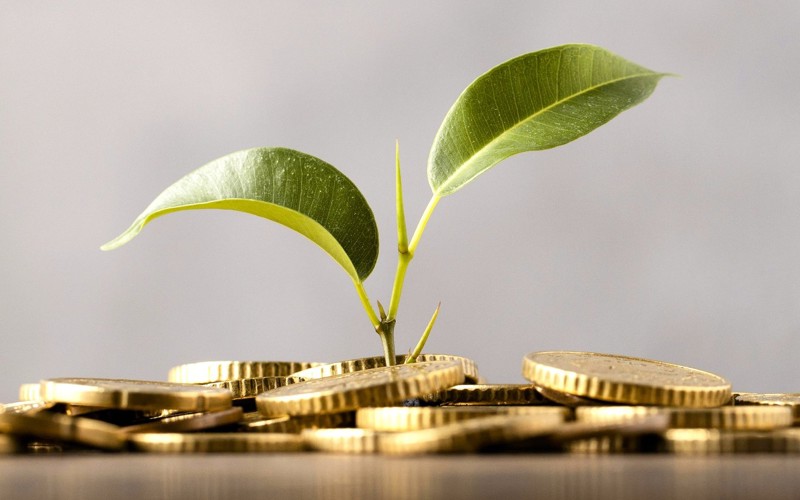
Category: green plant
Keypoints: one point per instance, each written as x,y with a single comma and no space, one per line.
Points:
536,101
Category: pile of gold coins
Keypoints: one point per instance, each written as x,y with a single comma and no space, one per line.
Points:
575,402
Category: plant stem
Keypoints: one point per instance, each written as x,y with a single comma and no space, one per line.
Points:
404,258
362,294
386,332
423,222
383,327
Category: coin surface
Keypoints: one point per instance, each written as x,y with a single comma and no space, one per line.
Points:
397,419
635,426
637,434
114,416
11,444
791,439
487,394
53,426
30,392
49,447
469,435
625,379
258,423
134,394
219,371
343,440
617,443
371,387
188,422
568,400
713,441
222,442
249,387
727,417
788,400
25,407
353,365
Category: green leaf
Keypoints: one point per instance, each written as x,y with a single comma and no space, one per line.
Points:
289,187
536,101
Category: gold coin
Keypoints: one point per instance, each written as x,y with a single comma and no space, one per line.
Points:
727,417
395,418
470,368
713,441
30,392
624,379
791,439
372,387
606,445
80,410
258,423
135,394
221,371
569,400
788,400
188,422
47,447
52,426
639,434
222,442
122,418
488,394
343,440
636,425
25,407
249,387
647,443
470,435
10,444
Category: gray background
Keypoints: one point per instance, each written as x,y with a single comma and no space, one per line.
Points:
670,233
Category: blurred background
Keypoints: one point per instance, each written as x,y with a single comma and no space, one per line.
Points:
670,233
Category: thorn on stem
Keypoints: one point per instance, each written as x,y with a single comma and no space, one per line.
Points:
382,311
421,344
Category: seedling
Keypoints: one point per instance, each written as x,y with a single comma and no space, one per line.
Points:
535,101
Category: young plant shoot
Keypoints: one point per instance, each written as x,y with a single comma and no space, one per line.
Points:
535,101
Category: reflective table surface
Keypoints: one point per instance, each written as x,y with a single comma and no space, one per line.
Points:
305,475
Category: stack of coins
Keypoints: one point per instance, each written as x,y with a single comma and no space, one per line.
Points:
572,402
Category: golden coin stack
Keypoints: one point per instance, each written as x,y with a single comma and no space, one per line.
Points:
573,402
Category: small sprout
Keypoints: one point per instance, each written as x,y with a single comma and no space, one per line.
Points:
533,102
